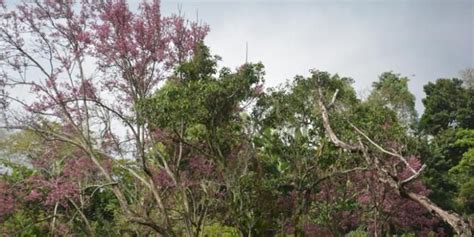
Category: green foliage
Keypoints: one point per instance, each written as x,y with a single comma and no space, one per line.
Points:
217,230
392,91
375,118
295,103
447,105
103,213
26,223
268,166
357,233
194,95
440,156
449,117
463,172
294,154
206,152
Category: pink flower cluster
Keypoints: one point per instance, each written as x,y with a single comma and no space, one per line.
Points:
201,166
137,48
7,202
162,179
51,191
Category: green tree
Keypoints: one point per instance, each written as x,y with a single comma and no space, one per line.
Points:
391,90
295,155
447,124
463,172
200,120
447,105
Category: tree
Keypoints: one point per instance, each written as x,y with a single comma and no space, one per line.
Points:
298,160
388,174
448,119
447,105
78,59
58,187
463,172
325,184
197,124
392,91
134,131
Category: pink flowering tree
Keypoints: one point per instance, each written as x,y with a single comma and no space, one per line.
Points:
86,66
56,183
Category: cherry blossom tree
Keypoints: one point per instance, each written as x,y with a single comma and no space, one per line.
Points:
87,65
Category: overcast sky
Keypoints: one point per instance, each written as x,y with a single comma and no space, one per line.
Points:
423,40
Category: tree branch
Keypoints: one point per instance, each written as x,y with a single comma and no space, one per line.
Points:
332,136
457,222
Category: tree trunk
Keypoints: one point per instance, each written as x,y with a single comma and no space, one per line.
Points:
454,220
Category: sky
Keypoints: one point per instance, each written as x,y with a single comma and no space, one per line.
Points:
423,40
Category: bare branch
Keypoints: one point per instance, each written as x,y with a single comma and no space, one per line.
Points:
414,176
456,221
332,136
384,150
333,99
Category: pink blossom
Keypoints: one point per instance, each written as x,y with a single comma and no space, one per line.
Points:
34,195
78,168
201,165
162,179
60,192
7,203
83,36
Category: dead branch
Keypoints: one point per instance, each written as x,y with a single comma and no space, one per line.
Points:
457,222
